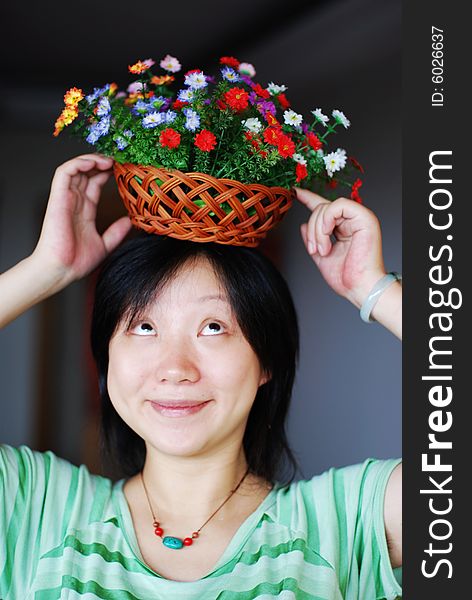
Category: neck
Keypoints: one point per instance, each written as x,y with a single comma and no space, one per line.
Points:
192,485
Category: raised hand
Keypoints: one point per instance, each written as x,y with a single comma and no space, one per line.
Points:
69,245
354,263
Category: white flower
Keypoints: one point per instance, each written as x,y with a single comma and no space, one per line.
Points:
253,125
247,69
342,156
332,163
341,118
299,159
292,118
320,117
196,81
170,63
275,89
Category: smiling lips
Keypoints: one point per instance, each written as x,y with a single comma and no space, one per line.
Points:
183,408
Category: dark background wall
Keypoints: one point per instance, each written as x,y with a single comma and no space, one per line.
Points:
330,54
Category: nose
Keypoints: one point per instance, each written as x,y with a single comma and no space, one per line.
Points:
176,363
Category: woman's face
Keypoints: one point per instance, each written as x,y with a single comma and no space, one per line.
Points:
182,375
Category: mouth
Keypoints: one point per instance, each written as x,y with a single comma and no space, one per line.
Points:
178,409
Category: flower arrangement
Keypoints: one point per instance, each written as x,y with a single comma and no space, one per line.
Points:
208,157
228,126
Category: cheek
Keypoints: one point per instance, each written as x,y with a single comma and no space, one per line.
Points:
124,374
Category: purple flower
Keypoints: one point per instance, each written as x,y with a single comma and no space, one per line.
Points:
193,119
230,74
170,116
158,102
304,128
97,130
153,120
103,107
121,143
141,108
252,97
264,106
97,92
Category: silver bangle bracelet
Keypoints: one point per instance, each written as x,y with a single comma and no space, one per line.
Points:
375,293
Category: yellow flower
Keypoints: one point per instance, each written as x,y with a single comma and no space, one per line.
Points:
138,67
73,96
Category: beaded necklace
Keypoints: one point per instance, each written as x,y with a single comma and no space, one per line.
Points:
176,543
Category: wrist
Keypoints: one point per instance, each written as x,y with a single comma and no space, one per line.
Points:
50,276
359,295
375,295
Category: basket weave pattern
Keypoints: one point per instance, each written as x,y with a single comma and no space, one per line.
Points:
188,206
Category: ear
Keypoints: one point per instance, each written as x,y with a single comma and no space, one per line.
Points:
265,377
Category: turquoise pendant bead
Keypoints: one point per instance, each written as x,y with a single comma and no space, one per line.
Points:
172,542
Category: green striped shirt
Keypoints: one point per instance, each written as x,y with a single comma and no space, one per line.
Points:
67,534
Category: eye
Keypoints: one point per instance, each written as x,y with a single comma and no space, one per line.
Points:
143,328
213,328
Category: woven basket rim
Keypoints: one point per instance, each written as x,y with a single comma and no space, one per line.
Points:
228,180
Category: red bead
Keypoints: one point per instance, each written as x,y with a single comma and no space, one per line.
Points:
159,531
156,523
188,541
195,535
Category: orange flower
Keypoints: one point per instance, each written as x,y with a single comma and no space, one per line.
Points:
138,67
65,118
112,89
73,96
162,80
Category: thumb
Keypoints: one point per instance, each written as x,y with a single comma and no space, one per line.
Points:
309,199
116,233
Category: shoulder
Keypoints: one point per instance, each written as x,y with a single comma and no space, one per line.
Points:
338,495
28,474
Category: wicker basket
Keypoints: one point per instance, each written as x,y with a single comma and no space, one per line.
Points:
199,207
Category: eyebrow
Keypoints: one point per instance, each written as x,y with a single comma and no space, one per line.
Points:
212,297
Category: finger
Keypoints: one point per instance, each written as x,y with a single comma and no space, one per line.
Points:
116,233
311,233
95,185
340,210
303,231
82,164
309,199
323,241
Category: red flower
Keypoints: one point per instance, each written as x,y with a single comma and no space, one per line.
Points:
192,71
286,147
269,117
237,98
178,104
354,191
221,105
301,172
284,103
205,140
356,164
230,61
260,91
332,183
314,141
272,135
169,138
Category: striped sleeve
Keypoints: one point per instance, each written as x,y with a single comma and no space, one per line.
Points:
37,493
346,526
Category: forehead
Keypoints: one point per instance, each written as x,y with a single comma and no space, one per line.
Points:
194,283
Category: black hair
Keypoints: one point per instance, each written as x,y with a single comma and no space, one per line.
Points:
261,301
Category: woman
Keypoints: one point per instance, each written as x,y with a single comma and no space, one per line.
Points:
190,380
